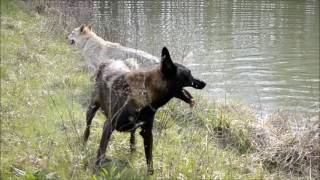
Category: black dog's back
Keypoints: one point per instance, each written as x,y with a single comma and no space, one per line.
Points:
114,91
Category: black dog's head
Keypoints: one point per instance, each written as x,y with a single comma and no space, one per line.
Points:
178,75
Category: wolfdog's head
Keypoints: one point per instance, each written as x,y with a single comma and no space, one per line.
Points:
79,34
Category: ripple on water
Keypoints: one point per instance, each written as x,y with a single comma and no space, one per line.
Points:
259,51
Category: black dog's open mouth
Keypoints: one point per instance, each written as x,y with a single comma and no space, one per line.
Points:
72,42
189,99
187,93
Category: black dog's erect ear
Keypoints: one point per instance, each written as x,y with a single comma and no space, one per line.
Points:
167,66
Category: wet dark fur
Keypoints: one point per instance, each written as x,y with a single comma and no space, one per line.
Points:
130,100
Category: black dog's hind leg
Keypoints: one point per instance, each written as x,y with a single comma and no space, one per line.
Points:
91,111
132,141
106,134
147,116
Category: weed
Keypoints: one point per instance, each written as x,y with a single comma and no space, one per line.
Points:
44,94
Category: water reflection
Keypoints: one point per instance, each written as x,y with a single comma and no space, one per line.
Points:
263,52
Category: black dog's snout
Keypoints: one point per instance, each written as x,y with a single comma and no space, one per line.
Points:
198,84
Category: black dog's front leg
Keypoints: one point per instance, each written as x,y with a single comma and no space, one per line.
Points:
132,141
148,141
147,116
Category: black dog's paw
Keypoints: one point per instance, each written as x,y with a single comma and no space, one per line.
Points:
132,148
150,171
97,168
101,161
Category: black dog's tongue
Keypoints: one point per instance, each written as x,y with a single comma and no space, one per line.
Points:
191,101
187,94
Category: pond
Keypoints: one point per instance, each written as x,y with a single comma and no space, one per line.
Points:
264,53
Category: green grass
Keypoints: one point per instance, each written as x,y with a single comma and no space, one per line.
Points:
44,93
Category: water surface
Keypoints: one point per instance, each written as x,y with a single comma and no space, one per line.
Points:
265,53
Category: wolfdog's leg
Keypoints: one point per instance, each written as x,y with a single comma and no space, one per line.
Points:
132,141
106,134
91,111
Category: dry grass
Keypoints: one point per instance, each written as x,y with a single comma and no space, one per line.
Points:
280,147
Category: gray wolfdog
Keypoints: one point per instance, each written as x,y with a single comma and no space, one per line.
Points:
96,50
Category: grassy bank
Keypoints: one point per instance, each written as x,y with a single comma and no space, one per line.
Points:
45,88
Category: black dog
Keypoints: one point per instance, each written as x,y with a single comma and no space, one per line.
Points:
130,99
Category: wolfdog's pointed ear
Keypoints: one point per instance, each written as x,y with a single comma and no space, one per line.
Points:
82,27
167,66
85,28
90,26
